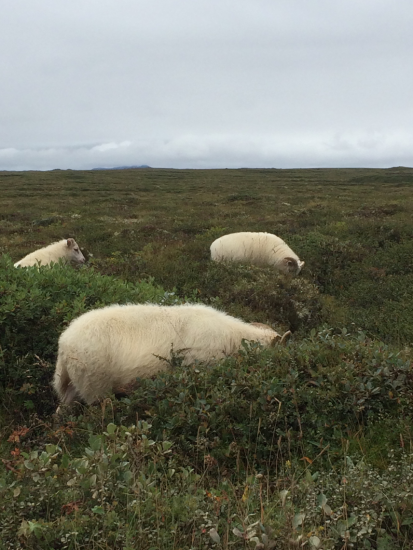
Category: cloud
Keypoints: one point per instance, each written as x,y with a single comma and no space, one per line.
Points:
224,151
108,146
205,84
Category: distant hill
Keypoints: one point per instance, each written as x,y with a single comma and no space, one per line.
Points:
123,167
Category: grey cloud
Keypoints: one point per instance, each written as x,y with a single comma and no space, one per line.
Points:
206,84
221,151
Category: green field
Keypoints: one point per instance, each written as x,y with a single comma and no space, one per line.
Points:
308,444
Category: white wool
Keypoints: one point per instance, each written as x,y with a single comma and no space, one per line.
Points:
66,249
256,248
108,348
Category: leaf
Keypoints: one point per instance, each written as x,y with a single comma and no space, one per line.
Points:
71,482
214,535
29,465
344,524
245,495
314,542
65,461
322,502
128,476
166,445
351,521
298,520
349,462
35,528
327,510
237,532
95,442
111,428
308,476
98,510
341,527
24,529
283,496
17,491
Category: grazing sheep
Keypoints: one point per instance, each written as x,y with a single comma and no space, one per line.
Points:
67,249
258,249
107,349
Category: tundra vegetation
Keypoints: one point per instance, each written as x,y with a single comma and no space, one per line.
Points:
307,445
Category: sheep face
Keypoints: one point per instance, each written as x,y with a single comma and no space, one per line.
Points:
73,253
291,266
278,339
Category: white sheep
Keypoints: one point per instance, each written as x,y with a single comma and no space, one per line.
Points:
258,249
107,349
67,249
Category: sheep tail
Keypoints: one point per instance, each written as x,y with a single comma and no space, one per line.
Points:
63,384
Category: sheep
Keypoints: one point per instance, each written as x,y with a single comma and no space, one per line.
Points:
67,249
258,249
107,349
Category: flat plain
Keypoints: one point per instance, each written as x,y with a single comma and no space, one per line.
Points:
304,445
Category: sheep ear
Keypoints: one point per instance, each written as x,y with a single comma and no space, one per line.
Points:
70,243
302,264
291,262
275,341
285,337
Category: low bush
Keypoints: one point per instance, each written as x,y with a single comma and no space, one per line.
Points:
295,399
274,447
368,277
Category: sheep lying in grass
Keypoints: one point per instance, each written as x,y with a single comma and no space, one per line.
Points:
258,249
107,349
67,249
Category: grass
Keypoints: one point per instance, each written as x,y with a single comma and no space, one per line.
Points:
308,445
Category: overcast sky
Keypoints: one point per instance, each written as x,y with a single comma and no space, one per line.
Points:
206,83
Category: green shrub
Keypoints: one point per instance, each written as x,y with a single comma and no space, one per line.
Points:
262,294
124,490
98,495
369,278
293,399
253,417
